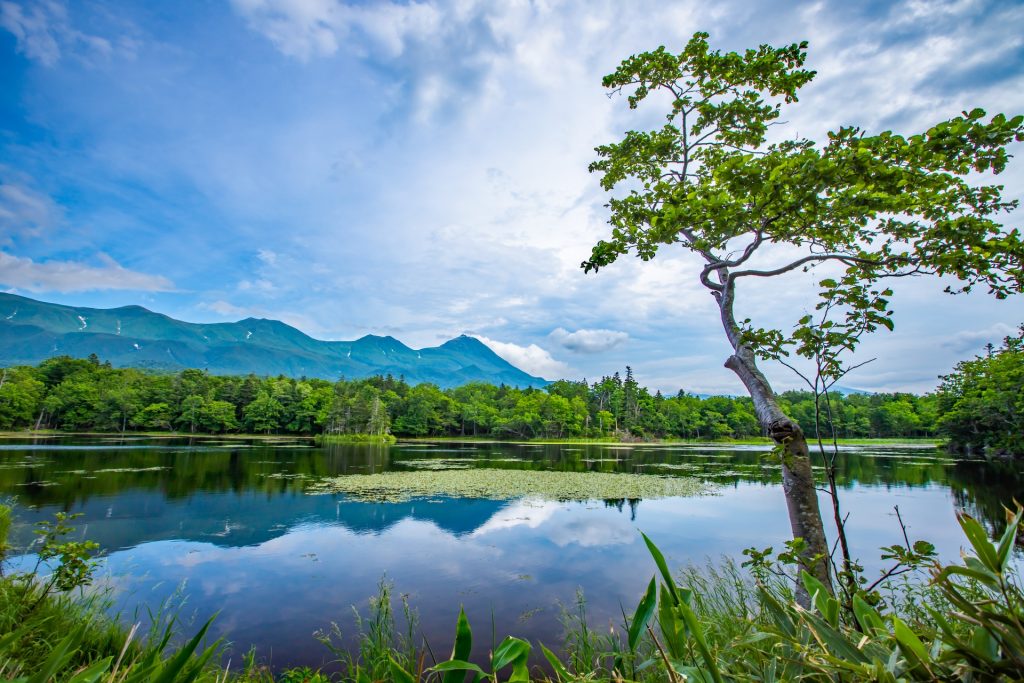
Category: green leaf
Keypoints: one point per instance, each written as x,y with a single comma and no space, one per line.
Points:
458,665
867,617
399,674
1007,541
659,560
173,668
508,651
836,642
979,540
59,656
698,635
561,673
823,600
672,628
93,673
908,641
463,646
643,614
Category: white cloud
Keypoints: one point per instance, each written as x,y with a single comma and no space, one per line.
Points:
24,211
304,29
589,341
259,285
531,359
420,166
973,341
42,31
75,276
224,308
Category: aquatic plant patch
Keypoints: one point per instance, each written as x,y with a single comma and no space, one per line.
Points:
437,464
501,484
111,470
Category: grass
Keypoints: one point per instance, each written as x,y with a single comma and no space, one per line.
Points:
386,439
597,441
49,433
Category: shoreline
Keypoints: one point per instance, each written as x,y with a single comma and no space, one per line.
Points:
597,441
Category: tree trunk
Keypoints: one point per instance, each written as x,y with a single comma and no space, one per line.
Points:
797,475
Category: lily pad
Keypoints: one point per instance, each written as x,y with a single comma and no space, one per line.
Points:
501,484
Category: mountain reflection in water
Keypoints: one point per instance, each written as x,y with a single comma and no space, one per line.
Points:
230,519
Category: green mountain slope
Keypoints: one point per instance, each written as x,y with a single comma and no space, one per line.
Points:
132,336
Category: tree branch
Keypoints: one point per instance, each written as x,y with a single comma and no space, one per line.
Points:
813,258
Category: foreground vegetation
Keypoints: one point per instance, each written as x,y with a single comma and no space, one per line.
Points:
714,624
87,395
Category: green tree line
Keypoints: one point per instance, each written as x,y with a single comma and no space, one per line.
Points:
87,395
981,403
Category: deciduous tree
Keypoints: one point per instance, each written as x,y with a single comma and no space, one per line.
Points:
863,207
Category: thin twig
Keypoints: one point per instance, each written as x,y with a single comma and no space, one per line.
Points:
664,657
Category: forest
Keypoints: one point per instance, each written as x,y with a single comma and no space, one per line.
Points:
88,395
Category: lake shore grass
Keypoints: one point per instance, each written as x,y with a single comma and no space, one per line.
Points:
54,433
608,441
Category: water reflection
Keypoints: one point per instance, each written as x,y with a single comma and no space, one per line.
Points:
231,520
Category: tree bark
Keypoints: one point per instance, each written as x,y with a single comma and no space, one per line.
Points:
797,475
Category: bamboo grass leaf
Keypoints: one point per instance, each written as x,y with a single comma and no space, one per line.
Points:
458,665
666,575
561,673
508,651
1006,543
979,540
643,614
462,647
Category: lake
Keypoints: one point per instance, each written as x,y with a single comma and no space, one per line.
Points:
227,526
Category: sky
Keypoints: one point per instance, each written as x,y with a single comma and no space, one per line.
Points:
419,169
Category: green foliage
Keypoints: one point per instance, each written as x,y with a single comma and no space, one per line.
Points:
981,403
511,653
386,439
5,530
975,633
53,633
81,395
72,561
871,206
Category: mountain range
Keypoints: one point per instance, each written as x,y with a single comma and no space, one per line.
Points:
132,336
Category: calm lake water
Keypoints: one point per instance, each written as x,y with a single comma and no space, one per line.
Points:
228,525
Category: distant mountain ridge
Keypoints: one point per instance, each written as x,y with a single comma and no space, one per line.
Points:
132,336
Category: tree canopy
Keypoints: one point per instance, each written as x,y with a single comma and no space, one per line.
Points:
981,403
864,207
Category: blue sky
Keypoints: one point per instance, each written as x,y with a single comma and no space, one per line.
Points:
419,168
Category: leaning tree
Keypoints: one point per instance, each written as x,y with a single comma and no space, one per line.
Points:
861,207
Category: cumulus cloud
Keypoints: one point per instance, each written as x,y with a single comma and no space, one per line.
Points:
75,276
588,341
327,132
531,358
